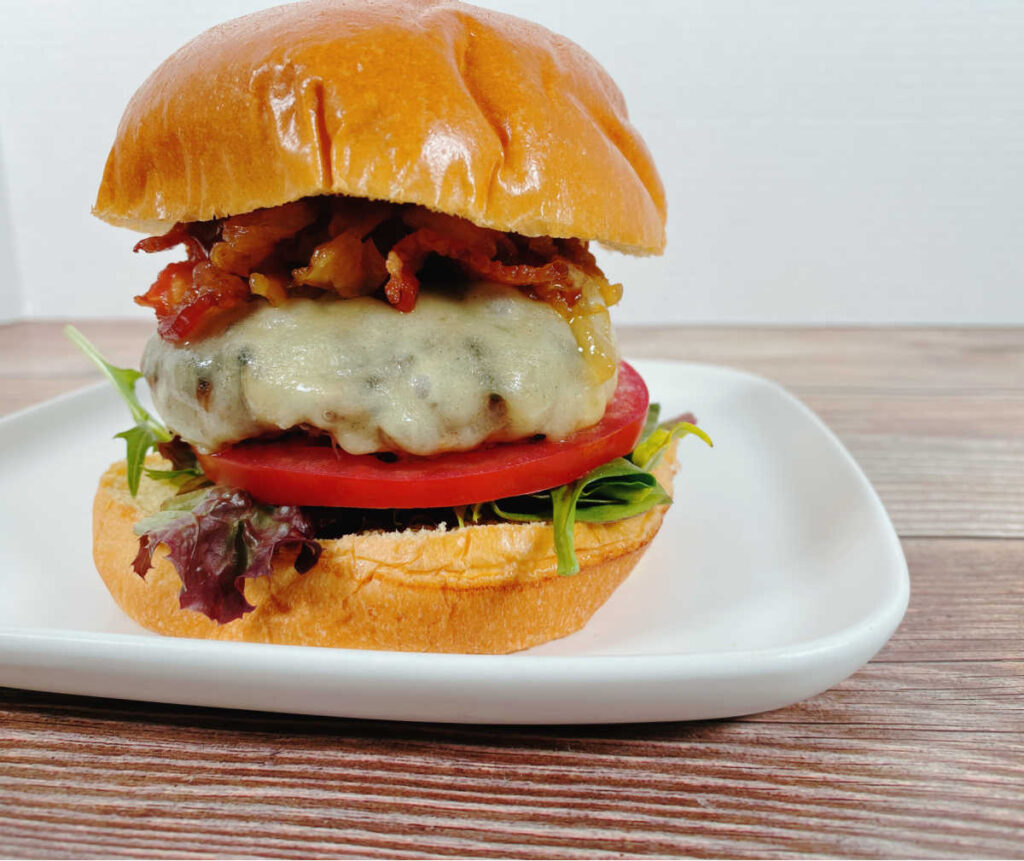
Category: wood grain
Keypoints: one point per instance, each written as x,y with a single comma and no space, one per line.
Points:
967,603
870,769
920,754
943,487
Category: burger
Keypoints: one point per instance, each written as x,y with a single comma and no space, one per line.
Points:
392,410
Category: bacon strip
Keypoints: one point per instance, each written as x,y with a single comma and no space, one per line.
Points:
177,235
408,255
190,295
247,240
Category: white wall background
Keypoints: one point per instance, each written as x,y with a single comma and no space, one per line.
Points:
825,161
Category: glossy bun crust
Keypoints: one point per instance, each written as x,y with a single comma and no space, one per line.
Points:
435,102
489,588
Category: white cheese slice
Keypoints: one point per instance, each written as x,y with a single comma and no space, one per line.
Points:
481,363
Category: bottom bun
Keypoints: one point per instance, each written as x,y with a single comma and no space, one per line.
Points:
487,588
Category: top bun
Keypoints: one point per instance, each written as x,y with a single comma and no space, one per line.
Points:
435,102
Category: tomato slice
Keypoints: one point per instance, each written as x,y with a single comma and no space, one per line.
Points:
302,472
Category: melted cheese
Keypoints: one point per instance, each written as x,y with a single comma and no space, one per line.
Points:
484,363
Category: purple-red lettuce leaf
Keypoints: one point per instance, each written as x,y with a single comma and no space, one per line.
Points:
216,539
179,453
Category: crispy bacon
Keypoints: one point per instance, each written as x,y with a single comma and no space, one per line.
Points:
408,255
177,235
349,263
190,295
483,239
247,240
353,248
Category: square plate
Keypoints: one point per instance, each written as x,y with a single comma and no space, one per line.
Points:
776,575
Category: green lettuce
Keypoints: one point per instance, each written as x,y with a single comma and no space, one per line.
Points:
651,447
621,488
149,433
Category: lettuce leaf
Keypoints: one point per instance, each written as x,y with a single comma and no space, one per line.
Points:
613,491
184,465
148,432
218,537
652,446
621,488
651,422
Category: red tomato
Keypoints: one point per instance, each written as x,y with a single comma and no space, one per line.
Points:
302,472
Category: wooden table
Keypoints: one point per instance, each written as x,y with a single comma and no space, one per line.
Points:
919,754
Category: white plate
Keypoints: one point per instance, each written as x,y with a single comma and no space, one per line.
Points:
776,575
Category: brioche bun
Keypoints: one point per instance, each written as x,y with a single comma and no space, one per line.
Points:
462,110
488,588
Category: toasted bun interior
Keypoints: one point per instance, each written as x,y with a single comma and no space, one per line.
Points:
462,110
485,588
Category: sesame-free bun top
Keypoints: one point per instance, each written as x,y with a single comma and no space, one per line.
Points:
434,102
